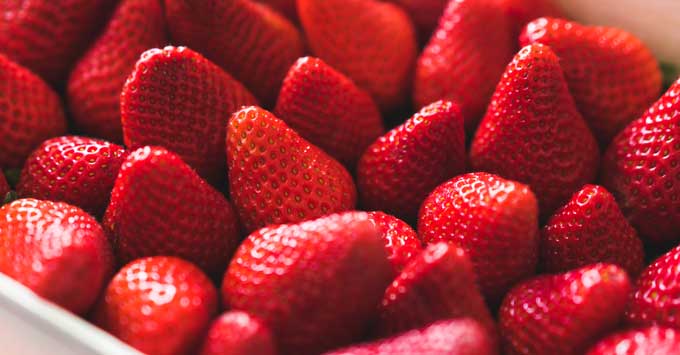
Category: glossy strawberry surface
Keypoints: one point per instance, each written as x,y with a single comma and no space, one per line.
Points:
238,333
424,13
401,241
644,341
522,12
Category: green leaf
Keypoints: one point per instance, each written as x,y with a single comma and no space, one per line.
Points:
670,74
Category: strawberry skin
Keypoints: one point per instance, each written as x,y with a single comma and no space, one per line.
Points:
4,188
612,75
238,333
276,176
533,132
645,341
55,249
373,42
563,313
160,206
589,229
399,170
321,280
159,305
327,109
177,99
77,170
286,7
96,81
522,12
424,13
400,239
495,220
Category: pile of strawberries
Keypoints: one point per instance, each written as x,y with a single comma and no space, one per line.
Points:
211,202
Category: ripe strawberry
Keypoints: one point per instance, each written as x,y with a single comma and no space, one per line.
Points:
320,279
94,85
424,13
238,333
464,58
522,12
285,7
493,219
371,41
31,112
400,239
533,132
645,341
160,206
563,313
250,41
326,108
275,176
611,74
159,305
55,249
589,229
177,99
399,170
4,188
77,170
461,336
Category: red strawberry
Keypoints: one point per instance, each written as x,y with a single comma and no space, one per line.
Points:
160,206
285,7
371,41
589,229
4,187
250,41
179,100
55,249
424,13
533,132
30,112
77,170
238,333
315,283
563,313
275,176
159,305
326,108
522,12
399,170
612,75
464,58
95,84
401,240
462,336
493,219
645,341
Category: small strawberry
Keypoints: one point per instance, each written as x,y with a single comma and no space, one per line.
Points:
326,108
401,240
464,58
285,7
177,99
315,284
238,333
522,12
371,41
55,249
4,188
533,132
589,229
644,341
612,75
399,170
495,220
160,206
275,176
250,41
424,13
564,313
31,112
77,170
96,81
159,305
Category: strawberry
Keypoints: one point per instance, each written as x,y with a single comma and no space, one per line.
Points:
399,170
238,333
522,12
464,58
563,313
178,99
589,229
320,279
4,188
160,206
55,249
495,220
275,176
425,14
401,240
533,132
96,81
77,170
326,108
641,168
371,41
159,305
644,341
461,336
31,112
613,76
287,8
250,41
